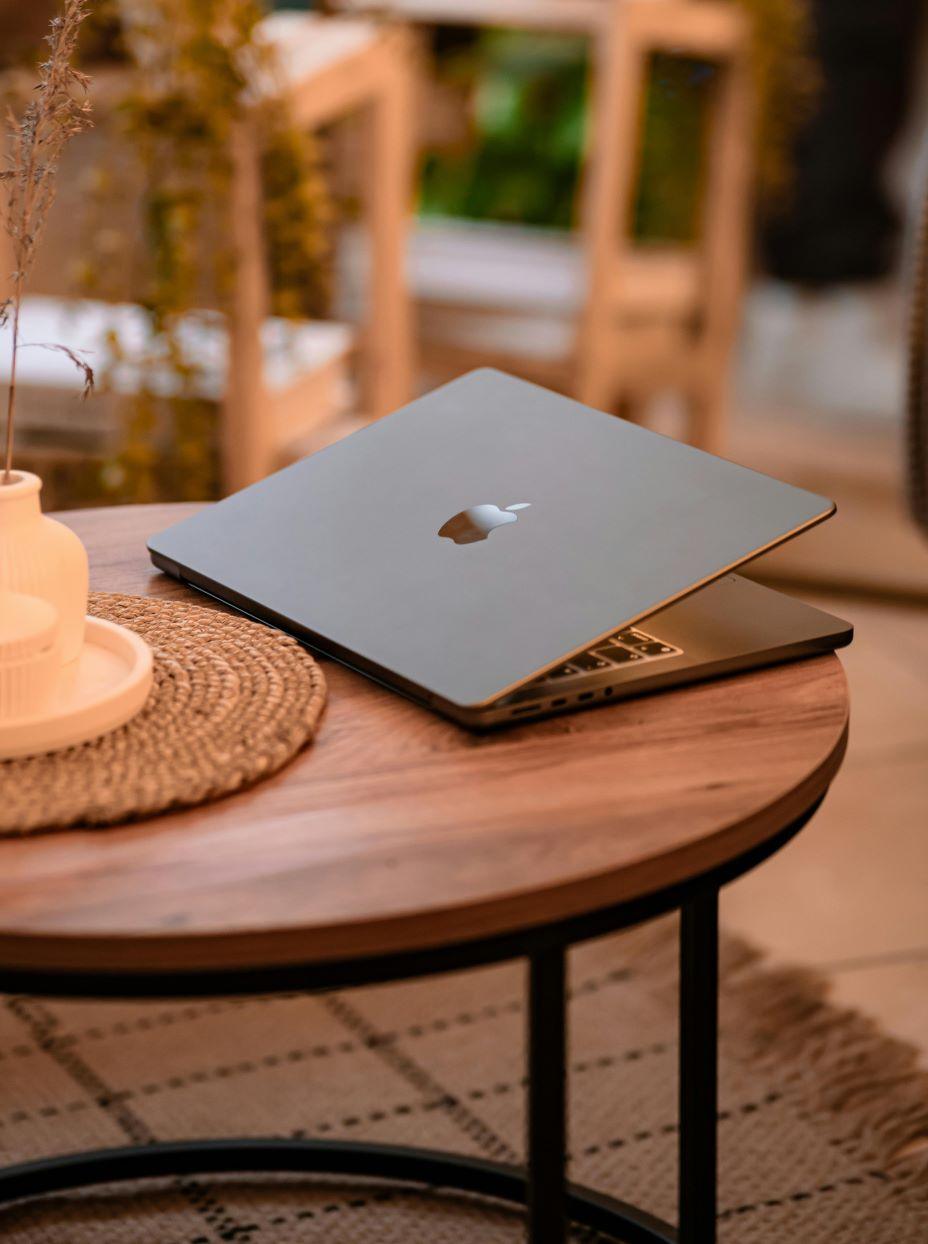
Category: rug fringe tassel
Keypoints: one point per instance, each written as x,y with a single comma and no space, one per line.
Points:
840,1059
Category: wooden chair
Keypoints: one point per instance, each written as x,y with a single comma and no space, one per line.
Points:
280,382
594,313
329,69
669,316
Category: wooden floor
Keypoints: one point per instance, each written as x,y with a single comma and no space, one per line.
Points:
871,546
850,895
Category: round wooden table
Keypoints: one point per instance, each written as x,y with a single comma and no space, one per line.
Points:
398,845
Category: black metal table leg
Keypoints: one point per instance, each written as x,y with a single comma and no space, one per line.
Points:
699,1001
547,1091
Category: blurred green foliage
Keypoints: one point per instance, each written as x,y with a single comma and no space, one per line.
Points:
674,131
188,64
528,108
526,100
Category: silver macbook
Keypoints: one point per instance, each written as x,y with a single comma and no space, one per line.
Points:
498,551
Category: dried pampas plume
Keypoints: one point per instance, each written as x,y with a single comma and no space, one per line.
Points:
59,109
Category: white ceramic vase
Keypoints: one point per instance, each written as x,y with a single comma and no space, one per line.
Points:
42,557
30,657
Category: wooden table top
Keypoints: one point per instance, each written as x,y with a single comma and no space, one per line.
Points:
397,830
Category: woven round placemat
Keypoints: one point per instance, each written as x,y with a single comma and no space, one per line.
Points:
232,701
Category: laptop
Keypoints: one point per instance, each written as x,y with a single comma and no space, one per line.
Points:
498,552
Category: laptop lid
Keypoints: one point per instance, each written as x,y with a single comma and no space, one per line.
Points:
481,534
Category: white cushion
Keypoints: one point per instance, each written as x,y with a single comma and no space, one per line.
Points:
292,349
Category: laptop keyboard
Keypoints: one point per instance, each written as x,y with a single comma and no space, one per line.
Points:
624,648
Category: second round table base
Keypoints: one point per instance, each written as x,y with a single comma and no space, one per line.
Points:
398,1163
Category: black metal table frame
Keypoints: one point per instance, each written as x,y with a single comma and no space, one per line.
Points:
541,1186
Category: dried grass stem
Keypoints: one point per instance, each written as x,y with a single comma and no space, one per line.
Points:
59,110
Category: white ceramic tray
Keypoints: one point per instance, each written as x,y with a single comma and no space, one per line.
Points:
101,691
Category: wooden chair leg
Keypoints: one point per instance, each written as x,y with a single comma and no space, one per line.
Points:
636,28
725,243
707,408
594,380
387,363
611,158
246,439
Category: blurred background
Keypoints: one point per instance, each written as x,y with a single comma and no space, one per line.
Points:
698,214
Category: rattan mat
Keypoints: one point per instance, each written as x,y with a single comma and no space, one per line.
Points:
232,702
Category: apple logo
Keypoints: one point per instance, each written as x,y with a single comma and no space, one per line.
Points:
476,523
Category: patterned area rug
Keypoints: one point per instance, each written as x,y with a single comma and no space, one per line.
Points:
823,1121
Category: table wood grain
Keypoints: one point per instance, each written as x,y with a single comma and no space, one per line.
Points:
397,830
